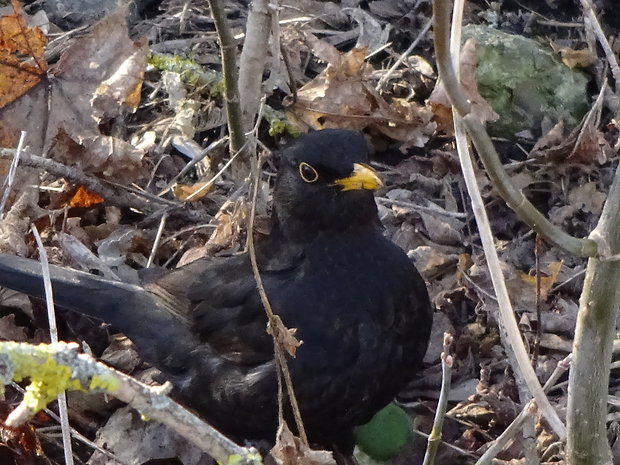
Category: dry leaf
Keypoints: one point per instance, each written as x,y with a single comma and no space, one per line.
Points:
341,96
290,451
21,57
571,58
99,75
440,104
546,282
197,191
85,198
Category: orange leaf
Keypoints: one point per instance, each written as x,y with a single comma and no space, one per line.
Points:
85,198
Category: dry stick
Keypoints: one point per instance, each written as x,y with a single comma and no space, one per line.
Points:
228,46
10,178
278,330
157,240
405,54
529,410
501,180
74,433
507,319
252,60
434,439
113,193
590,15
152,401
51,318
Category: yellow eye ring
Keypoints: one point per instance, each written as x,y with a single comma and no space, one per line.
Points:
308,173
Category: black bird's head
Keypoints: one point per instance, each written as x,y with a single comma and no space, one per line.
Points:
324,183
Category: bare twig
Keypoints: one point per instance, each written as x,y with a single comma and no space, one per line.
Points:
157,240
434,439
252,60
591,18
501,180
151,401
51,318
10,178
405,54
594,336
228,46
514,346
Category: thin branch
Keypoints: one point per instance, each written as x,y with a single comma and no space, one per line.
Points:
51,318
434,439
514,344
590,16
21,360
501,180
228,47
7,185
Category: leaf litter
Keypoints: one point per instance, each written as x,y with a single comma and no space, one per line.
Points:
99,107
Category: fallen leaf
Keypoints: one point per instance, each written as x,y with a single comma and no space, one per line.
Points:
21,56
342,96
97,77
440,103
85,198
290,451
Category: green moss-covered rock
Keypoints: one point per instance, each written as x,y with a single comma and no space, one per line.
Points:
385,434
523,81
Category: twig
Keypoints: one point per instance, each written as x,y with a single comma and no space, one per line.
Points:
434,439
278,331
10,178
152,401
228,47
157,240
590,17
51,318
501,180
514,344
252,60
74,433
406,53
594,337
530,409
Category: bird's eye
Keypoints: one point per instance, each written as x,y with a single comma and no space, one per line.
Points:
307,172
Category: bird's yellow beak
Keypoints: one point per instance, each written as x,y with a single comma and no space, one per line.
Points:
362,177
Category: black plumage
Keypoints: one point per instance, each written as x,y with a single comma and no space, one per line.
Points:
358,303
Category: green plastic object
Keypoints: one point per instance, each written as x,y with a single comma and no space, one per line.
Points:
523,81
384,436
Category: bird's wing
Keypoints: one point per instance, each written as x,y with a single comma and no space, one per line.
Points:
224,305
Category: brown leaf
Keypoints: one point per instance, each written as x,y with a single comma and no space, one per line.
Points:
342,96
21,56
85,198
284,336
9,331
98,76
440,104
571,58
585,145
290,451
546,282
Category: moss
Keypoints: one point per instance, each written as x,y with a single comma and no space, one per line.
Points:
279,123
192,74
524,82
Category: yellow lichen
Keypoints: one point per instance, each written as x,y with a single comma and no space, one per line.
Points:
47,379
107,383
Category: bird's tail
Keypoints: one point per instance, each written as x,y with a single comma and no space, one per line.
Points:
142,315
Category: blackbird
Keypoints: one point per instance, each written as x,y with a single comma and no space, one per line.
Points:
358,303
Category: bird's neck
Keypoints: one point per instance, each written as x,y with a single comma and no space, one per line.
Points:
300,232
